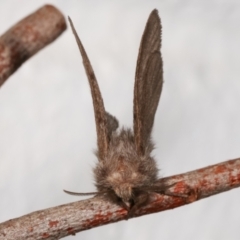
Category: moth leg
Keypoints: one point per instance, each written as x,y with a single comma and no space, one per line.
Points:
117,200
189,195
139,200
164,190
182,195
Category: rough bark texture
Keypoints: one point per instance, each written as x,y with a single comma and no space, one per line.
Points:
27,37
64,220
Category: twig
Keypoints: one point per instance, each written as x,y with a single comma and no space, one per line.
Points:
27,37
64,220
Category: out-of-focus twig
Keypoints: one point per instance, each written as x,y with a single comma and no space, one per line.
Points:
27,37
64,220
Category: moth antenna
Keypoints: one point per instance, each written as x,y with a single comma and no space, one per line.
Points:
98,105
80,194
148,82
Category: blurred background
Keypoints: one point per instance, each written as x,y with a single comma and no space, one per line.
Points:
47,131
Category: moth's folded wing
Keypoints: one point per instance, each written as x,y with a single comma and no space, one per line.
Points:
98,105
148,81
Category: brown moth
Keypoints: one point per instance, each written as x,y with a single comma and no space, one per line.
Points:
126,171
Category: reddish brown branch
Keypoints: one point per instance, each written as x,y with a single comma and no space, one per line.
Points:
60,221
27,37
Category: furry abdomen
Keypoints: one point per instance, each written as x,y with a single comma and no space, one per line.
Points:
123,170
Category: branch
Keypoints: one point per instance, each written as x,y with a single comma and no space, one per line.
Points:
27,37
68,219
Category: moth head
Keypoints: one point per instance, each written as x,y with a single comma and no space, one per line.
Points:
124,191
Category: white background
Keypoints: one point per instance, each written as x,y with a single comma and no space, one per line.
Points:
47,131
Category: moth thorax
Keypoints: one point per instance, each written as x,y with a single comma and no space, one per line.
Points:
122,179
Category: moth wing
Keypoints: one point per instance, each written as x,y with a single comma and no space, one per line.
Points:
98,105
148,82
112,124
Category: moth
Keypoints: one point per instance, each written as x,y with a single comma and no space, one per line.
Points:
126,172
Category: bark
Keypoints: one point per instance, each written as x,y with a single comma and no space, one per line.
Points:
27,37
68,219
